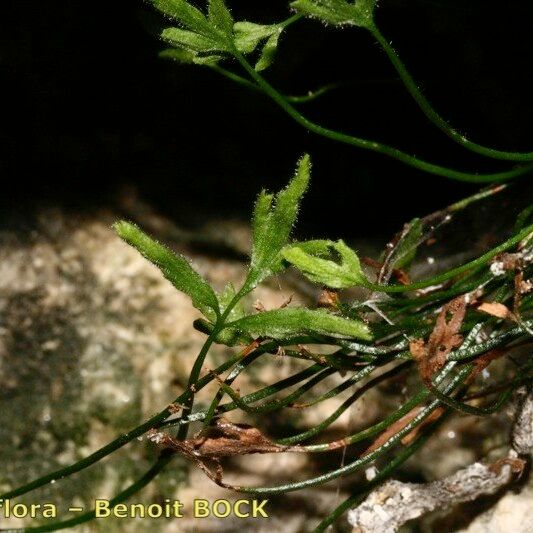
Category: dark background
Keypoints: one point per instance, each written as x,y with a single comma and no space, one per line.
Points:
88,107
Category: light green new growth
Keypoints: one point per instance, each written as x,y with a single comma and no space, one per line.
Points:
338,12
205,40
173,266
336,275
272,222
281,324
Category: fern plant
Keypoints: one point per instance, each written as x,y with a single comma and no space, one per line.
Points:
443,330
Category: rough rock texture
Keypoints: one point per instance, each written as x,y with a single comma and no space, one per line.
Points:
393,504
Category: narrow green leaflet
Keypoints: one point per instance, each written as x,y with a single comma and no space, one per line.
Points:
308,258
185,13
269,52
273,219
338,12
225,298
178,54
220,16
248,36
283,323
194,42
406,249
174,267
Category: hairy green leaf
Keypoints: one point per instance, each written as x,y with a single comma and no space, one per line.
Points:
341,274
338,12
208,39
194,42
225,298
174,267
186,14
407,247
220,16
181,55
178,54
269,52
205,40
273,219
248,36
284,323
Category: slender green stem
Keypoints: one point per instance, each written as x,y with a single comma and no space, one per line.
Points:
276,404
362,491
477,411
362,461
296,99
433,116
494,342
344,406
252,397
371,145
349,382
198,364
116,444
481,260
135,487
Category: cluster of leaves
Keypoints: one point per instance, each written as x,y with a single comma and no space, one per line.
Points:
273,219
207,39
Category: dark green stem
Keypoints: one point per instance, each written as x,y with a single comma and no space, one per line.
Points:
371,145
135,487
433,116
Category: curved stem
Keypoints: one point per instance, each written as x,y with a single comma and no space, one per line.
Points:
135,487
481,260
362,491
374,146
276,404
471,410
114,445
296,99
342,408
434,117
197,367
362,461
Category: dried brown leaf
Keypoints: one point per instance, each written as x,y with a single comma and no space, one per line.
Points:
401,275
397,426
517,465
495,309
226,439
445,336
223,439
328,298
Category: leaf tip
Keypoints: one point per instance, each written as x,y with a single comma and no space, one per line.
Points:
125,230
